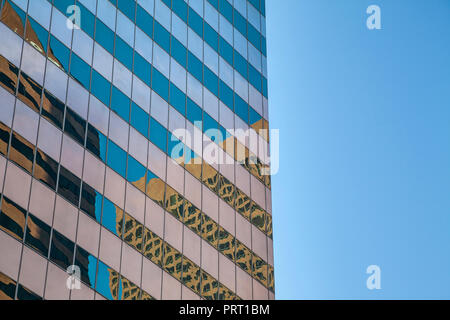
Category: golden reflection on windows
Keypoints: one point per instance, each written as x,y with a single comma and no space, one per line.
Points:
226,294
192,217
9,75
271,279
153,247
265,133
258,217
130,291
12,218
133,232
269,225
226,243
32,36
5,133
13,17
254,165
146,296
22,152
259,267
29,92
210,177
174,203
172,261
194,166
258,125
7,287
226,190
46,169
140,183
243,257
52,109
241,152
209,286
191,275
114,283
155,190
210,230
268,179
243,204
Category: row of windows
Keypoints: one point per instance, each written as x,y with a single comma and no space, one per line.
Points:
97,30
120,103
70,187
107,151
8,290
113,218
63,252
191,17
96,274
85,134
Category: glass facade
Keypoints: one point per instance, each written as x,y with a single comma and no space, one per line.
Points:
97,99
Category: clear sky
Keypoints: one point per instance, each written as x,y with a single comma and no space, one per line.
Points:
364,119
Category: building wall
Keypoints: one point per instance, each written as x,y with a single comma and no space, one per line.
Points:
89,176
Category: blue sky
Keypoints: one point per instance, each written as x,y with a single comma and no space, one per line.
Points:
364,119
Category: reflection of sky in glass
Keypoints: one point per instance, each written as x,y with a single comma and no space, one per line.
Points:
117,158
41,33
98,206
92,266
158,134
103,281
60,52
139,119
100,87
109,220
135,170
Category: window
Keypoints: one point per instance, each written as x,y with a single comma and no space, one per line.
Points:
88,266
38,235
112,218
75,126
91,202
61,251
69,186
46,169
117,158
12,218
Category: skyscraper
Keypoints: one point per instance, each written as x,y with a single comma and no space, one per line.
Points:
123,174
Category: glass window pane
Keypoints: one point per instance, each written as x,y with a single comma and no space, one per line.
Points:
22,152
12,218
46,169
120,104
88,266
75,126
61,251
69,185
96,142
112,218
117,158
53,109
38,235
91,202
